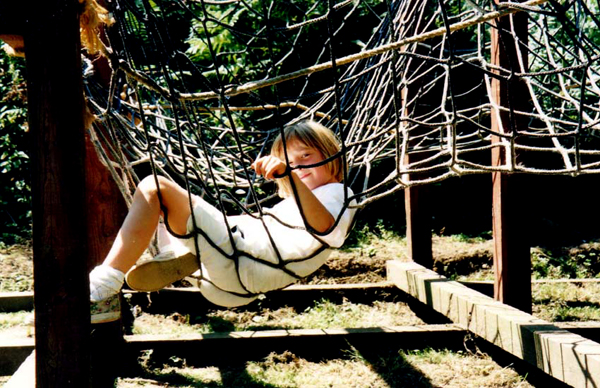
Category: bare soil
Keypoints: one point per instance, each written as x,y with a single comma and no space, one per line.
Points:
16,268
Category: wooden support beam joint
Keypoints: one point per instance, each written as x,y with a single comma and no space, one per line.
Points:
566,356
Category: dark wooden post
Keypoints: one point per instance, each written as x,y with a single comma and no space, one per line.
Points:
106,212
55,98
418,225
106,206
416,198
512,262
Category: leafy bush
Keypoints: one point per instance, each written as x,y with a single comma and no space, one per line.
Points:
15,191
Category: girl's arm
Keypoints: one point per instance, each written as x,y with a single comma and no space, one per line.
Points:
317,216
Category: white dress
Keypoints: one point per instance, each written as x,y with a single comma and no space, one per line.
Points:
263,264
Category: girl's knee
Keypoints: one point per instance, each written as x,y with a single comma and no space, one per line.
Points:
148,187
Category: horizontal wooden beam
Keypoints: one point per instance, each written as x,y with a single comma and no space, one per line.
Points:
13,15
230,347
13,353
175,299
562,354
16,301
24,377
189,300
172,299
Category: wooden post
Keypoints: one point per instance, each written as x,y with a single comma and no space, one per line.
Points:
106,206
512,262
418,226
418,215
106,211
55,98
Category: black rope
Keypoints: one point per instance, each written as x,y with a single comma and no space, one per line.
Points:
208,145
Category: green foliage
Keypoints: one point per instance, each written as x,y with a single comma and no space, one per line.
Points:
15,192
547,263
248,42
465,238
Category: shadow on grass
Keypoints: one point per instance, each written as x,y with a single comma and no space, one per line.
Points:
231,376
237,376
392,367
173,371
388,364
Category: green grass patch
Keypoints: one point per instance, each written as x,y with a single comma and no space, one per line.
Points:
322,314
383,368
574,263
563,302
9,320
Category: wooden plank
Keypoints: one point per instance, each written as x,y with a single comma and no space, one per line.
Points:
417,198
566,356
418,225
189,300
170,297
16,301
13,353
229,347
175,299
24,377
12,17
512,263
56,105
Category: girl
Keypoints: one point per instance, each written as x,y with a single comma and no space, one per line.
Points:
240,256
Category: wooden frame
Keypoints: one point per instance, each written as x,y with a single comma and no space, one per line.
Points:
566,356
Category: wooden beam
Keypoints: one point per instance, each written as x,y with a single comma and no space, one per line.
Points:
512,263
24,376
12,17
172,299
56,106
13,352
230,347
16,301
566,356
189,300
106,207
418,225
417,198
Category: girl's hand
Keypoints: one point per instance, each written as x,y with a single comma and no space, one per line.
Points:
269,167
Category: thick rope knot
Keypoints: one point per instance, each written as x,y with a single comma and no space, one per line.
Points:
92,17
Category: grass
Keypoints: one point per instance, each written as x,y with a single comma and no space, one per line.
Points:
457,255
563,302
9,320
322,315
15,325
16,268
388,368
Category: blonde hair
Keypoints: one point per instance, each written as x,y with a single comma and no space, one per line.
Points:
314,135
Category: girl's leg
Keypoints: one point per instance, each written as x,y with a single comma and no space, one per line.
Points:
141,221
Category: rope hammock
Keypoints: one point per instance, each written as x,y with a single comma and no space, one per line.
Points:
200,88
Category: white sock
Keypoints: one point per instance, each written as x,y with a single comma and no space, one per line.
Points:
105,281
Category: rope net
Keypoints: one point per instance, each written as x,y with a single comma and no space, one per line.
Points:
417,91
202,87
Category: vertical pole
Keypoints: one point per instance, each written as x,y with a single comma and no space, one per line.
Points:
418,225
106,207
106,210
416,198
512,262
55,98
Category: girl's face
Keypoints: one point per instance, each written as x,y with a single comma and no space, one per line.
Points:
301,154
